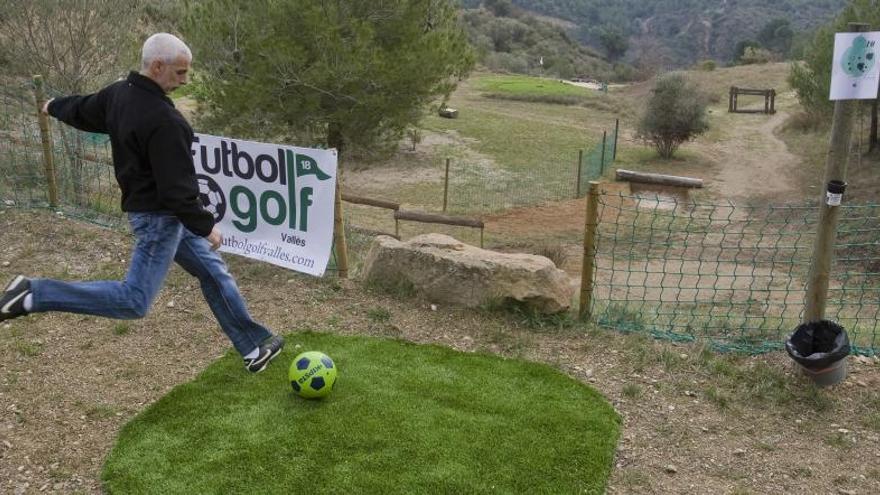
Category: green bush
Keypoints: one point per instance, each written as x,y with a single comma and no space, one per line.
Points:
754,55
707,65
676,113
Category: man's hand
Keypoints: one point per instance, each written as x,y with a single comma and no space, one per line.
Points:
45,109
215,238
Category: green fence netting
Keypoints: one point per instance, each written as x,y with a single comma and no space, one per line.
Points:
487,188
732,275
82,161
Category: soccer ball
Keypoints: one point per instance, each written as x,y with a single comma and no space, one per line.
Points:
211,196
312,375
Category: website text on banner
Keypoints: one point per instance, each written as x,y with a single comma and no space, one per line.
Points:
274,203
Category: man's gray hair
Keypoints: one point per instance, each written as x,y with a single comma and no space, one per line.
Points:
165,47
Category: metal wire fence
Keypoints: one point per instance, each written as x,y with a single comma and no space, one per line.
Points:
480,188
86,185
732,275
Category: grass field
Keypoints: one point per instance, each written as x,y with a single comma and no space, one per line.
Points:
402,418
538,90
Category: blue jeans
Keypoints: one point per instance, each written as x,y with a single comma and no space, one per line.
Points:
160,238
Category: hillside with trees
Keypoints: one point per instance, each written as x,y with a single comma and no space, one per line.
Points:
510,39
674,33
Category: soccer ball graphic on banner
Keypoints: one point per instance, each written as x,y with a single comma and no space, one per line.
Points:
211,196
312,375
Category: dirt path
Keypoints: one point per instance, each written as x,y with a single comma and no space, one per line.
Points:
752,163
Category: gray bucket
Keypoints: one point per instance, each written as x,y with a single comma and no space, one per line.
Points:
831,375
820,348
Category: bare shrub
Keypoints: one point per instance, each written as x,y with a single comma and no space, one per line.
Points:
553,251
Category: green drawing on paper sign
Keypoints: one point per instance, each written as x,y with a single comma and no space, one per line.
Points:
859,59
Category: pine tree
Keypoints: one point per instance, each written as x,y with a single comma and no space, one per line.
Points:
346,73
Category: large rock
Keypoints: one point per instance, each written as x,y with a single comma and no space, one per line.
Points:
448,271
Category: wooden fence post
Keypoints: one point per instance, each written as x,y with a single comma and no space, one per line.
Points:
616,133
446,186
826,234
602,161
589,260
46,138
339,230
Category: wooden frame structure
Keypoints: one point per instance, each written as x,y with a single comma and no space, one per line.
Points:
417,216
768,94
414,216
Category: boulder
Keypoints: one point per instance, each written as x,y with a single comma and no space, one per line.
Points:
448,271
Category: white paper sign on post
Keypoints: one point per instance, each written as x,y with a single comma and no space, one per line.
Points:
273,202
855,71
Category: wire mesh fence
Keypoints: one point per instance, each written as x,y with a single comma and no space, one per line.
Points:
483,188
83,163
734,276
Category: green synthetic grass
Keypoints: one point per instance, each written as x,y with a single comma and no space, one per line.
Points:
403,418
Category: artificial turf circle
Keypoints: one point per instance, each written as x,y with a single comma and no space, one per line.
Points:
402,418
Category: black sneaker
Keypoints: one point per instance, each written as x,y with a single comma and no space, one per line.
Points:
268,350
12,300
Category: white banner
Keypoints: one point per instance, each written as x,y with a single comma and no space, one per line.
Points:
274,203
854,73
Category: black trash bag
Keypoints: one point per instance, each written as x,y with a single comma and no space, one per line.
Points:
817,345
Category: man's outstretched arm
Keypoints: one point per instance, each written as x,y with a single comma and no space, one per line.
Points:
86,113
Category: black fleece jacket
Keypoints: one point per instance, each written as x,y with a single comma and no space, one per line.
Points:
151,144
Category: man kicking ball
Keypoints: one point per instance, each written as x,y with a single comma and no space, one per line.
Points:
151,144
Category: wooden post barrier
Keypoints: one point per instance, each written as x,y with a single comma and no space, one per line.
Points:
379,203
339,229
768,94
416,216
446,186
602,158
46,138
589,259
616,134
664,180
730,99
826,235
